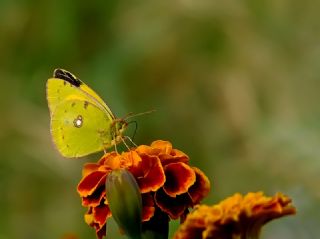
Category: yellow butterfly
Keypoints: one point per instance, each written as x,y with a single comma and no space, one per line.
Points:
81,122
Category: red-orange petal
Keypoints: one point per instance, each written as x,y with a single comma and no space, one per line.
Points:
146,149
94,199
179,178
164,146
134,161
107,156
89,168
174,207
113,161
90,183
152,177
179,154
174,157
200,188
148,207
101,232
101,214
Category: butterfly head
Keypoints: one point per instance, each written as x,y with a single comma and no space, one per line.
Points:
118,127
121,126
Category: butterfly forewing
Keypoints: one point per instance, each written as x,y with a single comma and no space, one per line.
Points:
59,90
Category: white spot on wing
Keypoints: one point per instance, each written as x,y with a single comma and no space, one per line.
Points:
78,121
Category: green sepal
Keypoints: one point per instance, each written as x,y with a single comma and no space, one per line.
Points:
124,199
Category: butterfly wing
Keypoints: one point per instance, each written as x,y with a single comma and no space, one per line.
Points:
79,128
65,85
72,102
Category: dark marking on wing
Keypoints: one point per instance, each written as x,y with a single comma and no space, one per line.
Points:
73,104
85,105
66,76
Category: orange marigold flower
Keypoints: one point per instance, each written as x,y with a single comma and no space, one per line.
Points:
166,181
235,217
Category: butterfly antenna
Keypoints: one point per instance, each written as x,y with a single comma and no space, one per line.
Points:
115,145
130,115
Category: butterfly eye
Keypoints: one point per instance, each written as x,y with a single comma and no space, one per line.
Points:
78,121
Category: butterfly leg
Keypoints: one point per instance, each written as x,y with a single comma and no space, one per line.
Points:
115,144
115,148
124,142
127,137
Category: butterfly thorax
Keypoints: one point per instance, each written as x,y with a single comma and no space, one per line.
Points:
117,128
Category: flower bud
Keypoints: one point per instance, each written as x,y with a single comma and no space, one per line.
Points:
125,201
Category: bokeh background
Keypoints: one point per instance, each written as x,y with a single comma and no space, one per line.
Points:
235,84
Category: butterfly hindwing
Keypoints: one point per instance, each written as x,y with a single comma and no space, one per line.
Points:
79,128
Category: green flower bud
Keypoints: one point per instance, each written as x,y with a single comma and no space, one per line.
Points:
125,202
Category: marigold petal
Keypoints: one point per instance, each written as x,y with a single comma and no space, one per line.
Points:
101,214
90,183
95,198
235,217
167,159
179,177
101,232
196,223
113,161
174,207
134,161
148,208
145,149
200,188
89,168
88,218
149,174
164,146
107,157
179,154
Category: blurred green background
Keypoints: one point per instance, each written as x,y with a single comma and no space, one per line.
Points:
235,85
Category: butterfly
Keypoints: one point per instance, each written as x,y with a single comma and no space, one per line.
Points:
81,122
